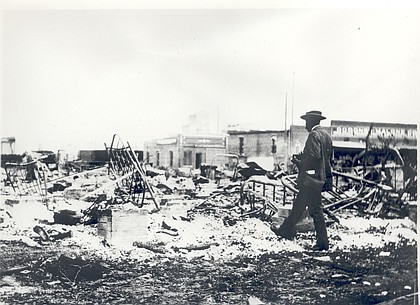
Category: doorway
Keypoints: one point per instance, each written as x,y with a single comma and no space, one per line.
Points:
198,159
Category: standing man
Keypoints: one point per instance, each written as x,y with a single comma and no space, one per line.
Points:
314,176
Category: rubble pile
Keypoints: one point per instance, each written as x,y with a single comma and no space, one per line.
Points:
182,229
127,209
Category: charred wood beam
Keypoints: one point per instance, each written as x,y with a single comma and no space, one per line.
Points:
198,247
149,247
14,270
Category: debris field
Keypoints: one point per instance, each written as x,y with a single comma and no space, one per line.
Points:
126,233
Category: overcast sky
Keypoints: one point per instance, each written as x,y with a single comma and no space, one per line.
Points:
73,78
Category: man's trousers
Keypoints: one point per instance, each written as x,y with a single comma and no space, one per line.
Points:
310,198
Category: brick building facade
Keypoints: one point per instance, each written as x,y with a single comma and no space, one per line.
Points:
266,147
272,147
184,151
349,138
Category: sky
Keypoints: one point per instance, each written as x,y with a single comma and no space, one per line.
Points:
71,78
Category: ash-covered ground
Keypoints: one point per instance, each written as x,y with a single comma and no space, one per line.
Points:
198,251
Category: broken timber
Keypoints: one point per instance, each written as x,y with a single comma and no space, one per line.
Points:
129,172
27,178
374,198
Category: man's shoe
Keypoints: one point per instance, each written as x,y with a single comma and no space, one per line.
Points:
275,229
280,233
320,248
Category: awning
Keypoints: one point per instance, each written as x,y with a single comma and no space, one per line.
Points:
348,144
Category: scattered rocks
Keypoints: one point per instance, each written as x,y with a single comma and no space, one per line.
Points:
73,269
68,217
323,258
254,301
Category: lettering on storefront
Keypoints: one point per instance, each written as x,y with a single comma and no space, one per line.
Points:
204,141
166,141
401,132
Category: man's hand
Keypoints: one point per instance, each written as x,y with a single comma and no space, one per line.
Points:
296,160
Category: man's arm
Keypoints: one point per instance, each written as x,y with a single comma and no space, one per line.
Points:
311,155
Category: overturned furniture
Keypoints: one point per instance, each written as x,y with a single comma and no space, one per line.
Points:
129,174
351,191
27,178
258,196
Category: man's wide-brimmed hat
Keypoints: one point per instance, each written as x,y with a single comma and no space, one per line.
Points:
313,114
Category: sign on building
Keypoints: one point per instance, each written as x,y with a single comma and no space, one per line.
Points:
400,134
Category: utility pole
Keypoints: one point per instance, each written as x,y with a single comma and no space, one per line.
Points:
285,133
289,140
217,119
293,92
285,113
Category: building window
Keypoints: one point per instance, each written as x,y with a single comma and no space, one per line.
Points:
147,157
187,157
139,154
273,144
171,158
241,145
157,158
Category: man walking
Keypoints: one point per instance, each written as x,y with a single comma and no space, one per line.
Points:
314,175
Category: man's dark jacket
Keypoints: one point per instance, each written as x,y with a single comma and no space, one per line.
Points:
316,156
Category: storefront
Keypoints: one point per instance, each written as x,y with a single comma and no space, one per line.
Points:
185,151
350,138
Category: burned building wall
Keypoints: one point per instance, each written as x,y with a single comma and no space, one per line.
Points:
274,146
202,149
266,147
185,151
256,143
8,146
163,152
298,135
